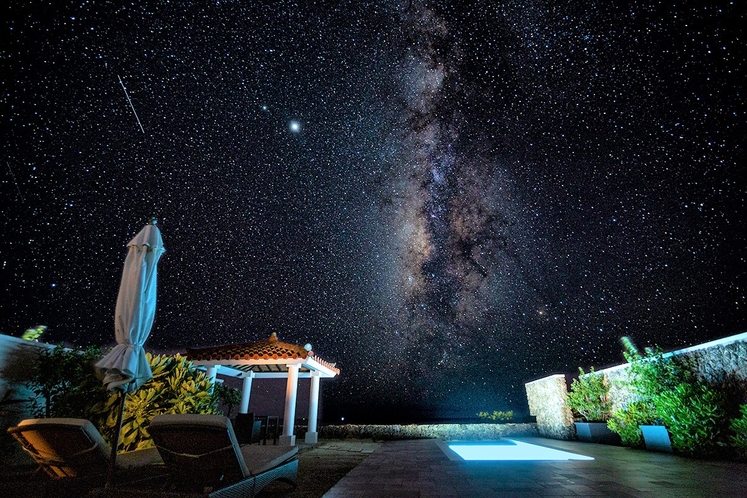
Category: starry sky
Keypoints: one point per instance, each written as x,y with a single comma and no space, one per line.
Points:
447,199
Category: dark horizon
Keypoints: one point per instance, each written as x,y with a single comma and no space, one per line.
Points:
447,199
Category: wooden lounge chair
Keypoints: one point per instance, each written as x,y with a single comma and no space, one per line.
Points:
203,456
73,447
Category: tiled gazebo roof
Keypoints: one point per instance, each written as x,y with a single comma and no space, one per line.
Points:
265,350
270,355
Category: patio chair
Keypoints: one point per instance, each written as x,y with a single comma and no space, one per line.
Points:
270,427
203,455
72,447
248,428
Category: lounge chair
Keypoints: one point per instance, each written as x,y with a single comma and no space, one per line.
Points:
203,455
72,447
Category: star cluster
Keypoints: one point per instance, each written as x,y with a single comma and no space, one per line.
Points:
448,199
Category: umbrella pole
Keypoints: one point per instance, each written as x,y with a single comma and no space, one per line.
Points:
115,445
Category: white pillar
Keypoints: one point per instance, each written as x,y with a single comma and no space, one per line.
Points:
246,392
312,436
291,391
212,373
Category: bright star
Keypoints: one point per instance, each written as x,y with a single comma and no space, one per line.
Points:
295,126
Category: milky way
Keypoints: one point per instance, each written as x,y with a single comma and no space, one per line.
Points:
448,199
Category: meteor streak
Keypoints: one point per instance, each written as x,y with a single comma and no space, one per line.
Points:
16,182
132,106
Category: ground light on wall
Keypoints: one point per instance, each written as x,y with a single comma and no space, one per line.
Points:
510,450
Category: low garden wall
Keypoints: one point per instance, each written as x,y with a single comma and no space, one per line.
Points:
446,432
16,358
721,362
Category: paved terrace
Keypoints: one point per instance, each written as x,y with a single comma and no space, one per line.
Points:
421,468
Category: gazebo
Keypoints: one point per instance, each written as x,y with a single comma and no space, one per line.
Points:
270,359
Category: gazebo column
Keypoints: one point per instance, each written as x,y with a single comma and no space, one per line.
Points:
291,392
212,373
312,436
246,392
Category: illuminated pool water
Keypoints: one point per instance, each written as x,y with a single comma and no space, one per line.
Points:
509,449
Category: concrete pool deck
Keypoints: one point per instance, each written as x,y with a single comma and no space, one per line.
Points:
421,468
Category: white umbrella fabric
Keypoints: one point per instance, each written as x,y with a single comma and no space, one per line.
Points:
126,368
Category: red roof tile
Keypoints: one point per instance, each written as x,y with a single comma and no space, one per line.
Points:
271,349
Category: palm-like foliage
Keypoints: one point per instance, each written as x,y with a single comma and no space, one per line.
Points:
176,387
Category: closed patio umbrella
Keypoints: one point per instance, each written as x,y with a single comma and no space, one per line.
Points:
126,368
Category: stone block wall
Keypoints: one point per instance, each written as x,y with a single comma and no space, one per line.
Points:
617,378
547,402
722,362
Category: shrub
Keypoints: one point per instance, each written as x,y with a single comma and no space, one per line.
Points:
694,415
65,385
497,416
589,396
655,373
625,422
738,438
649,375
64,382
667,394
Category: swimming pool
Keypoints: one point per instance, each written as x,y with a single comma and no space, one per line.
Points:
511,450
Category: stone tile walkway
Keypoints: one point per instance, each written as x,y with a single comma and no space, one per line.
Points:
421,468
348,446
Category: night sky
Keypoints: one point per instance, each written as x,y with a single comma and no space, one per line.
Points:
448,199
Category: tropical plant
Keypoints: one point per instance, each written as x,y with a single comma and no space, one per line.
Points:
34,333
497,416
626,421
64,383
228,396
589,396
176,387
738,438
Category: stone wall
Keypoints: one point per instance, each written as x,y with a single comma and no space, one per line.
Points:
722,362
617,378
547,402
16,358
446,432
